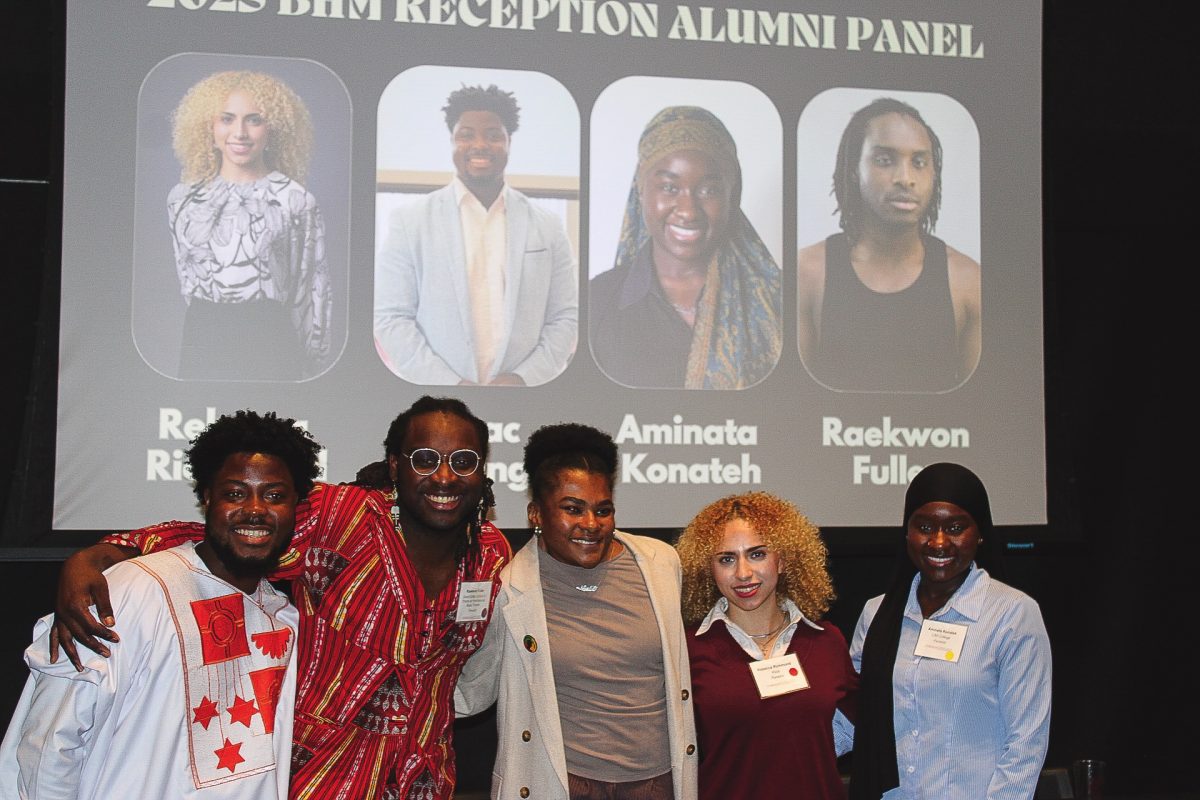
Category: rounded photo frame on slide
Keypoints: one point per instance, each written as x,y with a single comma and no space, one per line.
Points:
476,227
685,234
888,236
241,218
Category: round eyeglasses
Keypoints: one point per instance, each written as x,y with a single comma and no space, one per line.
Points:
426,460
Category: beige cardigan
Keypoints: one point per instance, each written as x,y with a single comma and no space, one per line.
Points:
530,763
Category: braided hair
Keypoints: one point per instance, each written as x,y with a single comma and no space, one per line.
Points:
845,171
376,476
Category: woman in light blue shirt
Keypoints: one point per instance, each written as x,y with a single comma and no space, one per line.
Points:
954,702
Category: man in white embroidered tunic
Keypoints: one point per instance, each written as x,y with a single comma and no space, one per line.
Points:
196,700
476,284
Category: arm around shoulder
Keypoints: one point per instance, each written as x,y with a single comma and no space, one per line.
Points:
82,585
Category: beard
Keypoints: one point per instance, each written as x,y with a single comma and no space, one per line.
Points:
255,567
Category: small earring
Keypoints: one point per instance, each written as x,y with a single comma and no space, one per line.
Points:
394,511
537,530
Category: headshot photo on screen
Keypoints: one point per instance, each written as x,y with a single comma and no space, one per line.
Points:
258,288
685,290
476,227
888,271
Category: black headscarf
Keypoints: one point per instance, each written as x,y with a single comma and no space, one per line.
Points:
874,770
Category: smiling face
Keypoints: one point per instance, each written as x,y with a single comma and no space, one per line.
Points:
441,501
745,569
250,511
896,171
577,518
240,134
480,149
687,202
942,541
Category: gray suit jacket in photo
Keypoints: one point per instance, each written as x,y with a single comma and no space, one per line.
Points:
423,327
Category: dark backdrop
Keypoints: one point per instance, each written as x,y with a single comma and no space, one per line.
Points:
1115,85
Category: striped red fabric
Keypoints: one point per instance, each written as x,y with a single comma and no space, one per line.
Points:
378,660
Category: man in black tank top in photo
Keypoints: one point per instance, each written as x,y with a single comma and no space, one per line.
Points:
885,305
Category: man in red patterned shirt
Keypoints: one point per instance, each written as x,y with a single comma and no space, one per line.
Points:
395,588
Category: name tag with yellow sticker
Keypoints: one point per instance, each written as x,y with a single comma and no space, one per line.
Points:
940,640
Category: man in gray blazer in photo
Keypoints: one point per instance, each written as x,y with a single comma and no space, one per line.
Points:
476,285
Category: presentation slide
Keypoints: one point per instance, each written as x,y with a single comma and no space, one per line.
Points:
770,245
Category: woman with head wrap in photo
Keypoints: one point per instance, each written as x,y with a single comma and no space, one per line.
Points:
954,696
694,298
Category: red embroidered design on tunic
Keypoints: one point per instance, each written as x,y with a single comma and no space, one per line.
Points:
267,683
366,645
242,711
222,625
272,643
214,627
205,712
229,756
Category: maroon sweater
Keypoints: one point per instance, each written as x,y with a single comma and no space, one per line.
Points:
781,747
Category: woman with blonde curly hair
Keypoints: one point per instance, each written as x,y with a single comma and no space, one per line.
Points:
249,239
774,688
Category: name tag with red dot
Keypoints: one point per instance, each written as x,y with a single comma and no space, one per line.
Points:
776,676
473,599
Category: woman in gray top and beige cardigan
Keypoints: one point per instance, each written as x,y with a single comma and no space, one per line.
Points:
585,652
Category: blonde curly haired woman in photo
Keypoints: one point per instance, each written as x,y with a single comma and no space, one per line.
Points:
248,238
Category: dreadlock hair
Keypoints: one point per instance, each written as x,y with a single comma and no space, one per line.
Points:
477,98
394,442
567,445
376,476
845,171
250,432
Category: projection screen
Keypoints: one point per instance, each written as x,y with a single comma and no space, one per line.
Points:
787,373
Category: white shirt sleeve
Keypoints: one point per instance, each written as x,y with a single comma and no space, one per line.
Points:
53,729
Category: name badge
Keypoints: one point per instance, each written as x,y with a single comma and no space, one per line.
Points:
473,599
940,640
776,676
